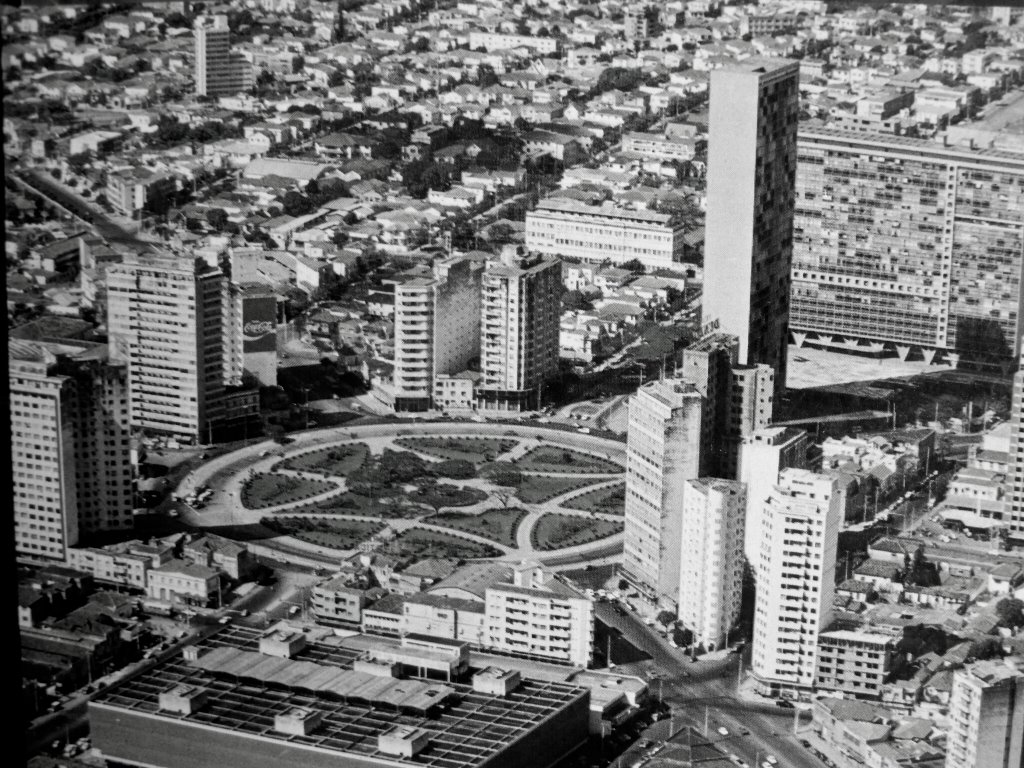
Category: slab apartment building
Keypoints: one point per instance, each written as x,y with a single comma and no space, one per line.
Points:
908,245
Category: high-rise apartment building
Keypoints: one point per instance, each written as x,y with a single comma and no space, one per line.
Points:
908,245
711,562
165,321
764,454
219,71
70,445
796,579
1016,463
749,228
986,715
663,451
519,328
738,400
540,616
437,329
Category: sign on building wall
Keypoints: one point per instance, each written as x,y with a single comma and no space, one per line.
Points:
259,323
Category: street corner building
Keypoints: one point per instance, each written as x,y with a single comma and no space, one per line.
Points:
263,699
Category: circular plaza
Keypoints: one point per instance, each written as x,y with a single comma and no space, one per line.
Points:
459,490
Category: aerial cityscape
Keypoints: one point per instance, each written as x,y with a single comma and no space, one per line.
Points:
539,384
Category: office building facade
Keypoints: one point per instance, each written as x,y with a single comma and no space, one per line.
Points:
986,715
519,328
749,226
796,580
711,559
165,322
219,71
437,329
907,245
70,451
604,233
662,453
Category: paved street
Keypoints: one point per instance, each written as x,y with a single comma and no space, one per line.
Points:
706,690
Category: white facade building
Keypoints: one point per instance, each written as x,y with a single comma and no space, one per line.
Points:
540,616
164,320
437,329
604,233
662,453
986,715
70,445
711,559
796,579
521,311
763,455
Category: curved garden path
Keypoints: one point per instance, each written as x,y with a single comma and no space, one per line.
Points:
227,474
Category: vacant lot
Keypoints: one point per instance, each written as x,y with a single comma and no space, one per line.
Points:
336,534
556,531
536,490
339,460
474,449
418,542
268,490
550,458
610,501
499,525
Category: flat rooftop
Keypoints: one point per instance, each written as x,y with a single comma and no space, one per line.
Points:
464,727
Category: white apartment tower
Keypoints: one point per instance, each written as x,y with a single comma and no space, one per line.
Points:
70,445
164,320
437,329
519,329
662,453
539,616
986,715
711,559
796,579
751,180
219,71
763,454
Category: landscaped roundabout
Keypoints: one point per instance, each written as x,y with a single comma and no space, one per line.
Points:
463,490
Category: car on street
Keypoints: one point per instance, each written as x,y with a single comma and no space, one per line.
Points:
771,760
723,731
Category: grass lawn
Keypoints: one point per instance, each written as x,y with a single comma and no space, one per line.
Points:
417,542
557,531
611,501
338,460
474,449
440,495
349,503
535,490
336,534
496,524
550,458
268,490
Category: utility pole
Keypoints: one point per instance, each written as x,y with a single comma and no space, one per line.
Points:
796,719
739,675
707,714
